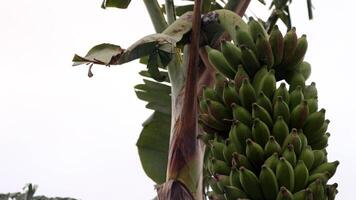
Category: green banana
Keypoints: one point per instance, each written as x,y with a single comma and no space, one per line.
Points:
301,174
223,181
256,28
296,97
264,51
307,156
264,101
322,143
319,157
282,92
314,122
331,191
269,184
313,105
247,94
310,91
317,135
268,84
324,177
250,184
290,155
217,149
296,79
228,150
281,108
219,84
262,114
254,153
220,167
294,139
299,53
235,178
305,194
214,185
303,139
232,53
244,38
304,68
277,45
318,190
218,60
218,110
240,132
230,95
326,167
280,130
249,60
299,114
284,194
285,174
239,160
211,122
272,161
272,147
260,132
203,106
290,44
239,113
239,77
210,94
232,192
260,74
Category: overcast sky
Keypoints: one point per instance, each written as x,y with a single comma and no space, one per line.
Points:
75,136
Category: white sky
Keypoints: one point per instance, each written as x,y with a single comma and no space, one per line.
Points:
75,136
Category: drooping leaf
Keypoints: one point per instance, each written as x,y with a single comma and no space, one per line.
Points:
180,27
102,54
153,142
145,73
115,3
147,46
153,146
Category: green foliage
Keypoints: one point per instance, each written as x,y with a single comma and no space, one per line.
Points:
115,3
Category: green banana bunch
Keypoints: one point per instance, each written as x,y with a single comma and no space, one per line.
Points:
265,134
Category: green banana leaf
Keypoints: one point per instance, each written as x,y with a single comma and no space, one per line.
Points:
153,142
116,3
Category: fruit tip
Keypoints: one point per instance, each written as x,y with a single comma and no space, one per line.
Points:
249,141
290,147
245,81
280,117
322,110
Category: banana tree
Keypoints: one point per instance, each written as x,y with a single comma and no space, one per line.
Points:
195,92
